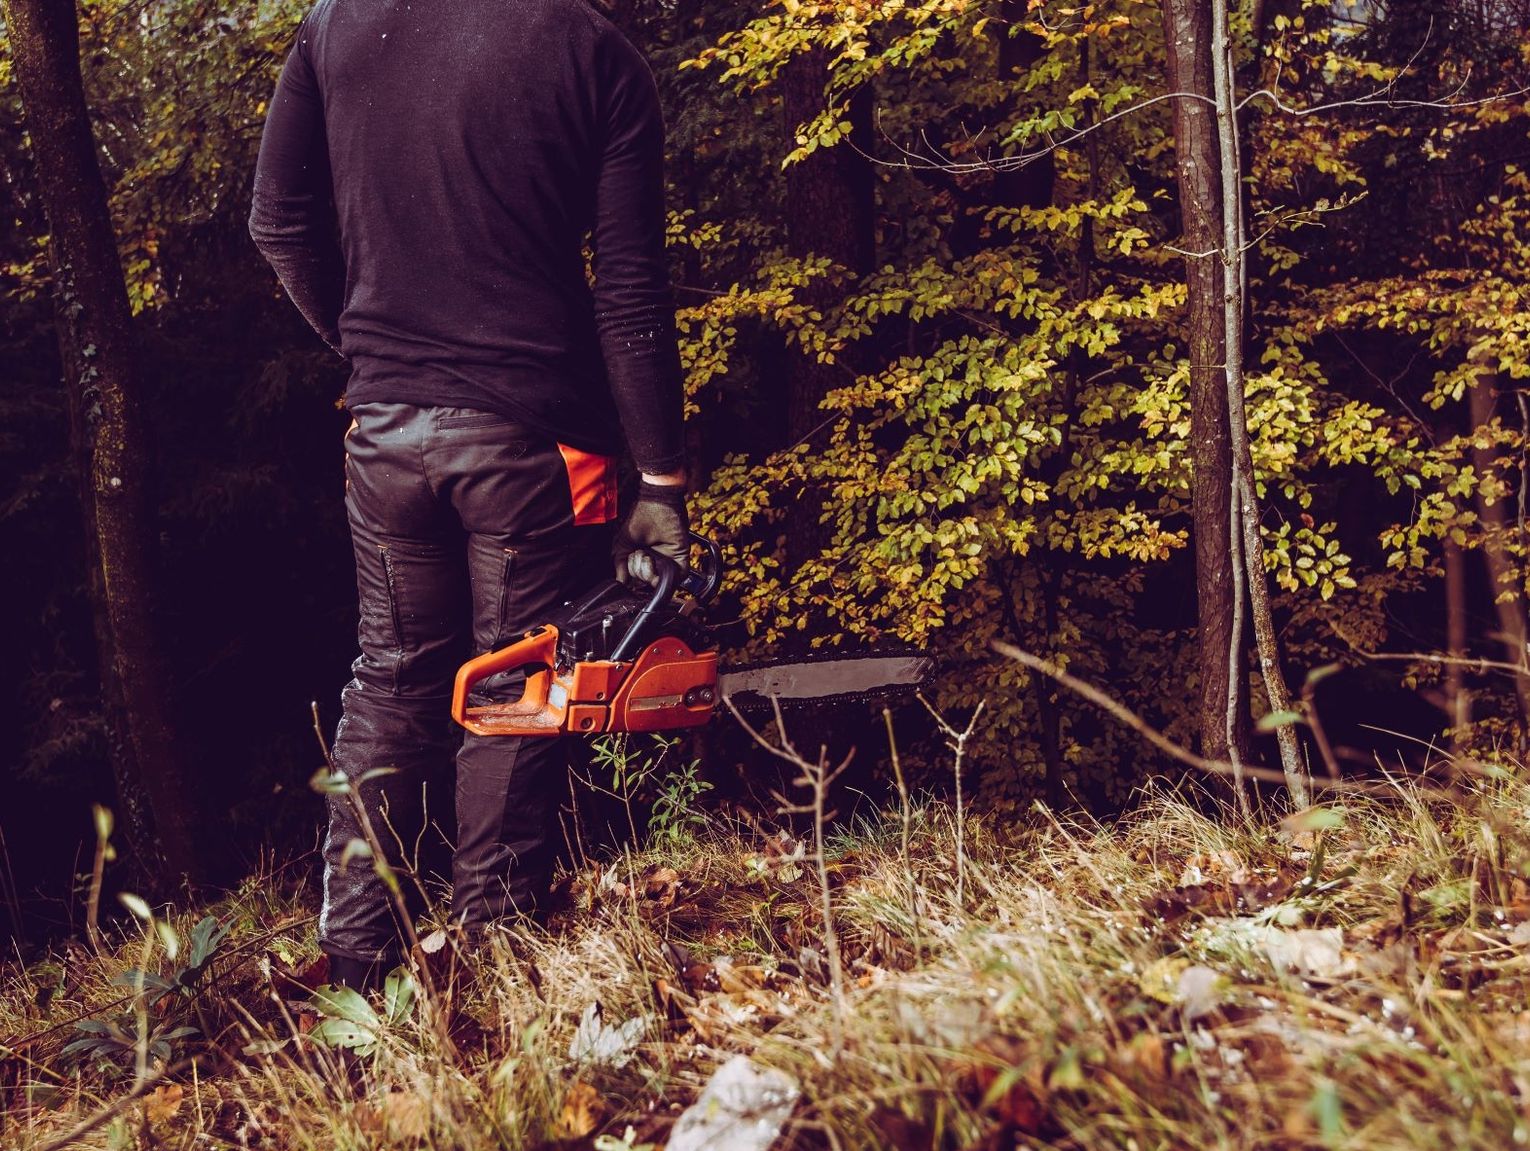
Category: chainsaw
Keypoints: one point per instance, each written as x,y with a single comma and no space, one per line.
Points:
622,660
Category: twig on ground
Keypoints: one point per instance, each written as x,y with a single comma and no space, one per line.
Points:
817,777
1315,724
957,742
905,821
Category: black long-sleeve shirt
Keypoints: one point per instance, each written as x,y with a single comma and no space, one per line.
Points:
470,149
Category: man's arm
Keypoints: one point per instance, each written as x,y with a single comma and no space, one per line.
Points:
634,307
292,217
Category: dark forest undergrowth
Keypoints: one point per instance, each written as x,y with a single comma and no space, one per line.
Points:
1353,977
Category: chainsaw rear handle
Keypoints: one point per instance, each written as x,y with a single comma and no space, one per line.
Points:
701,582
539,647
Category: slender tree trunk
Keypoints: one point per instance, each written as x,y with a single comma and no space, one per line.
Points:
1187,34
1458,700
1244,497
108,437
830,206
1506,586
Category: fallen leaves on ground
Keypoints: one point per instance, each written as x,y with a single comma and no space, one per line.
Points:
583,1110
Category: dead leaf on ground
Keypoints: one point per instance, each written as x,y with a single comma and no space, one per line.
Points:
784,847
583,1110
1519,897
1219,899
399,1116
739,977
1008,1084
662,886
896,1129
1195,989
1214,867
1144,1056
870,975
163,1102
296,980
742,1108
673,997
716,1017
1315,952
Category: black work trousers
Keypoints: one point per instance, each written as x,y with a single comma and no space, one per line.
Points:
468,527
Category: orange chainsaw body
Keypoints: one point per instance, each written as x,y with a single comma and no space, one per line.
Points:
666,686
615,660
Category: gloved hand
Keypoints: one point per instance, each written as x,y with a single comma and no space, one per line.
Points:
657,522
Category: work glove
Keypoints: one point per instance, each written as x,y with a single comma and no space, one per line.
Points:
658,523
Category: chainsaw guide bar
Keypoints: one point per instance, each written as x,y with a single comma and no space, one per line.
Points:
829,678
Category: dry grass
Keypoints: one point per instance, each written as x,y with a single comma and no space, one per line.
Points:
1166,982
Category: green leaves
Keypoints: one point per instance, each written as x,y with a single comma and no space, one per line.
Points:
350,1021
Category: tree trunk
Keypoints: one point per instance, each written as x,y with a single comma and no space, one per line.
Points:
108,438
1028,186
1506,586
830,209
1457,699
1187,34
1244,495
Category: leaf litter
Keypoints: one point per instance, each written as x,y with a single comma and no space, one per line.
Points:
1165,979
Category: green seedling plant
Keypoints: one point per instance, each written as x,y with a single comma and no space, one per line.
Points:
207,938
1316,886
114,1043
134,1040
674,816
351,1022
677,817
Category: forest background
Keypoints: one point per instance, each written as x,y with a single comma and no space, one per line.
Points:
934,263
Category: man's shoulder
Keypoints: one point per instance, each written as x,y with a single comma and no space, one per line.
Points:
586,20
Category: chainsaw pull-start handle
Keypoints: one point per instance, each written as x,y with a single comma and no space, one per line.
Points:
538,646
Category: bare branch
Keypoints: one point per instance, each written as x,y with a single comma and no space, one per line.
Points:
1163,743
914,161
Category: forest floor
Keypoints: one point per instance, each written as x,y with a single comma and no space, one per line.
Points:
1355,977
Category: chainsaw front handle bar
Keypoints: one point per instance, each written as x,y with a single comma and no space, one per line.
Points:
668,573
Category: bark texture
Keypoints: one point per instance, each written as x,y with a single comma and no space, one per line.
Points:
1187,34
108,437
1245,499
1500,526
